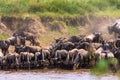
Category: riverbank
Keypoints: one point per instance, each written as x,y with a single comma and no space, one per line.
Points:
56,27
62,18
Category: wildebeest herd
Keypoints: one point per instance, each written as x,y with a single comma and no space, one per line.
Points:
70,53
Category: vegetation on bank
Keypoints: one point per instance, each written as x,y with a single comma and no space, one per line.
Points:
105,66
69,9
58,7
3,36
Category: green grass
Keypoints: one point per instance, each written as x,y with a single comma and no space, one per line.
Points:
104,66
72,31
57,7
101,67
3,36
111,13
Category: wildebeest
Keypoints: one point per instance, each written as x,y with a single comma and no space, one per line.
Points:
31,39
85,57
83,45
25,59
60,57
4,46
117,54
12,60
16,40
20,48
100,53
98,37
96,45
11,40
115,27
1,59
95,37
19,33
38,59
117,43
25,36
42,58
33,49
90,38
74,39
74,58
73,52
68,45
78,58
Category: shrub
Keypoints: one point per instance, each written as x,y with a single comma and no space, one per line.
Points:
81,7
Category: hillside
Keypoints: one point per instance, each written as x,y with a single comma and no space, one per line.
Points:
51,19
48,29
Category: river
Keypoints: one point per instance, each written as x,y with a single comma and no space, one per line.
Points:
55,74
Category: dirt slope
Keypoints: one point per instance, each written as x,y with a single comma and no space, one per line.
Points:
42,25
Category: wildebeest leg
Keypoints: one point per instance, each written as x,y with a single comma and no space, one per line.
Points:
72,58
23,61
76,62
5,65
8,63
16,63
81,61
67,59
59,61
1,62
36,55
84,61
59,57
89,58
43,57
76,59
55,59
20,61
28,60
3,51
56,56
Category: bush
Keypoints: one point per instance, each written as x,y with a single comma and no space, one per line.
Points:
81,7
3,36
101,67
13,7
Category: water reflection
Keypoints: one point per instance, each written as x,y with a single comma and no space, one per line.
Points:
54,75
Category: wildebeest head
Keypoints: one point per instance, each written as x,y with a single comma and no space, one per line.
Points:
74,39
113,27
18,48
19,33
97,34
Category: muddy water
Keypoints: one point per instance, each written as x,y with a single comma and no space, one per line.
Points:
54,75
